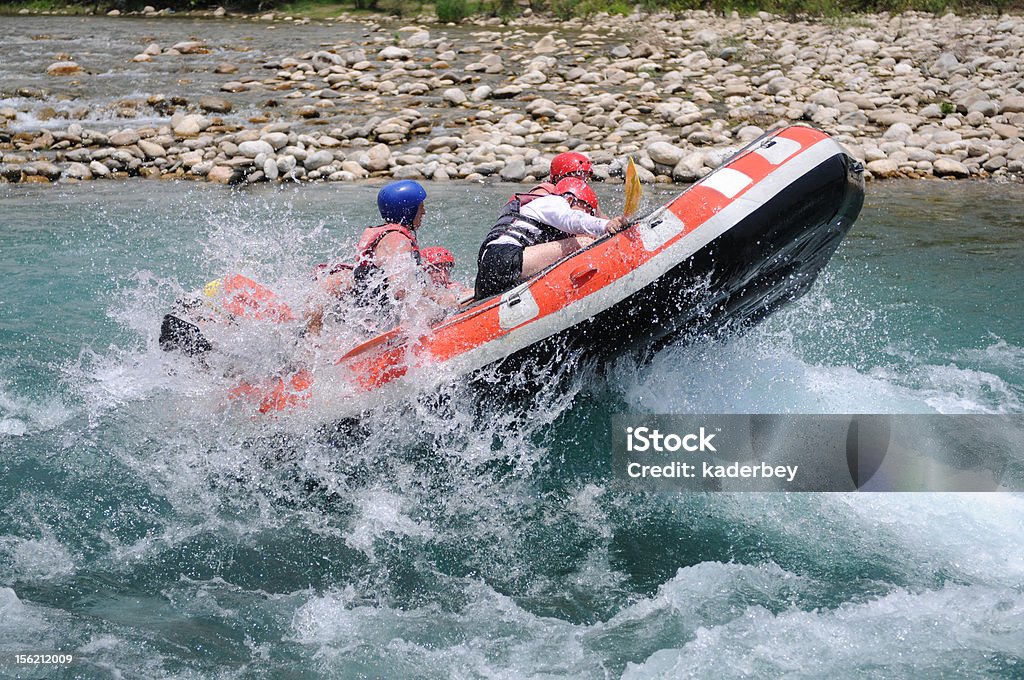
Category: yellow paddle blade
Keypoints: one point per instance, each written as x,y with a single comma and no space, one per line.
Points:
634,192
213,288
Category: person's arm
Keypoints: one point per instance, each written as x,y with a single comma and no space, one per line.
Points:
557,212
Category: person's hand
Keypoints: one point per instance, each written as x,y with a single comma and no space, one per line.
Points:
315,321
449,297
616,225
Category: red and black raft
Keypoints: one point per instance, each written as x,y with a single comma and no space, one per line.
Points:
746,239
732,248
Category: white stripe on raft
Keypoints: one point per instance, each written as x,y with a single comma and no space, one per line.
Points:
728,182
777,153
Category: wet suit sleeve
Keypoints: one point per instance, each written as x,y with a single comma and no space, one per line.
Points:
555,210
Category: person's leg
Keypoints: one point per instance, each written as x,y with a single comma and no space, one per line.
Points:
536,258
499,268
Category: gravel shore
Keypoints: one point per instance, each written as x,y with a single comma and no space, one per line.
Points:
911,95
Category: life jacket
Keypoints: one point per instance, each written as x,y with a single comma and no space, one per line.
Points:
328,268
368,282
372,236
526,231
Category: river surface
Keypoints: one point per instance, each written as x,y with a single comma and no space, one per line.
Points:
153,533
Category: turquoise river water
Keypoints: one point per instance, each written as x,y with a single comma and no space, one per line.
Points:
152,535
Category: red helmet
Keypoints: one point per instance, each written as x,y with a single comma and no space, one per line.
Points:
578,191
437,256
570,164
438,262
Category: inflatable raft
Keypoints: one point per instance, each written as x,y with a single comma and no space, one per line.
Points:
732,248
746,239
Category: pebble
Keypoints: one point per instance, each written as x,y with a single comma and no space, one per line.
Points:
454,96
215,104
224,174
190,125
99,169
502,103
318,159
253,148
190,47
63,68
151,149
123,138
77,171
665,153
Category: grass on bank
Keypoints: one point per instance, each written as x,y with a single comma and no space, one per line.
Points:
456,10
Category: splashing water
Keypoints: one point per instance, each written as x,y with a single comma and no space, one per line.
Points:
473,530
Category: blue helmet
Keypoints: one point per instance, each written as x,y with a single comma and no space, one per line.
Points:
399,202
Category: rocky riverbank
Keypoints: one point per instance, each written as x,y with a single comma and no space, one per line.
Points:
910,95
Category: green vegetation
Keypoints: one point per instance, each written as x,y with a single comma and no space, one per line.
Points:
314,9
44,6
451,10
456,10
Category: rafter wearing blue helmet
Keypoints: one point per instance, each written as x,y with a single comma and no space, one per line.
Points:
399,202
387,250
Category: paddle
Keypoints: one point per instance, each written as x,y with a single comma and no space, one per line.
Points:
371,343
634,192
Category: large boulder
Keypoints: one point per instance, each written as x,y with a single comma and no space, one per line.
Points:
224,174
1013,104
254,148
377,158
690,168
950,167
884,167
277,140
514,170
417,39
444,142
545,45
318,159
946,64
99,169
665,153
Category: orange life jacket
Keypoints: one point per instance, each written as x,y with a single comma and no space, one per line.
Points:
367,284
365,249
